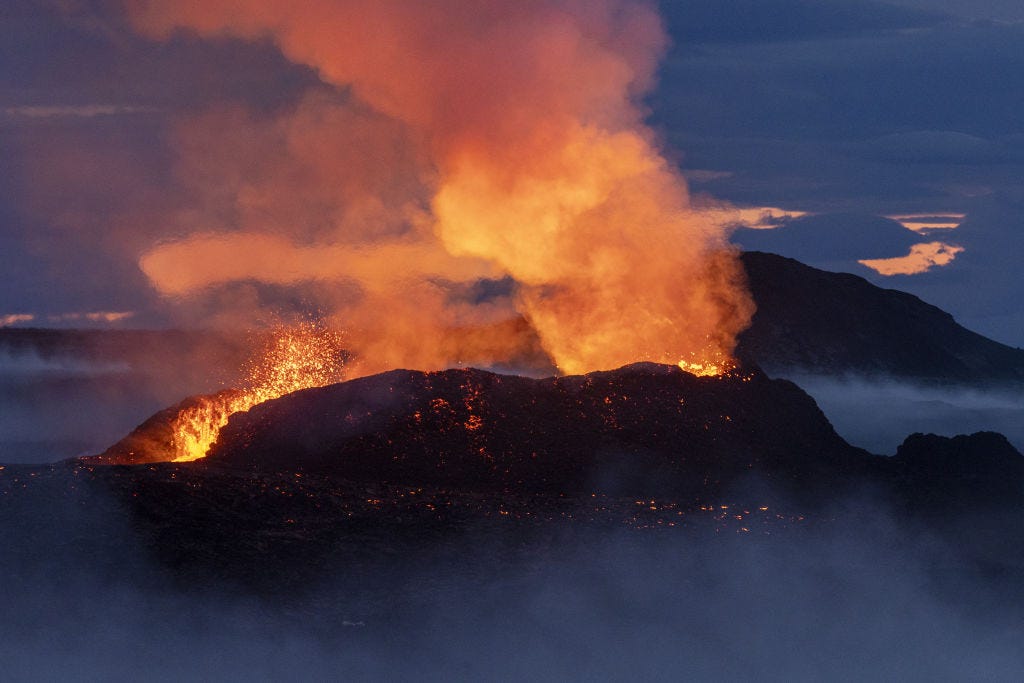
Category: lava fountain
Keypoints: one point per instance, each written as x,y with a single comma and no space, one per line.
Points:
298,357
458,167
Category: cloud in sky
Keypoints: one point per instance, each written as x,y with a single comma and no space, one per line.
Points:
884,121
756,21
76,110
830,239
982,287
929,222
74,318
997,10
8,319
922,258
970,270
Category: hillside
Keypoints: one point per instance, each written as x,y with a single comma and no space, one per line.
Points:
836,323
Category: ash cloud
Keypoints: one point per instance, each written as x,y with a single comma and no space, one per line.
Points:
787,105
455,143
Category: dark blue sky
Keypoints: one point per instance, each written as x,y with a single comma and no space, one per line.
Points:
847,110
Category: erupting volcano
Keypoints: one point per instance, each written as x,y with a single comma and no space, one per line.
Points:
474,182
291,358
417,348
481,167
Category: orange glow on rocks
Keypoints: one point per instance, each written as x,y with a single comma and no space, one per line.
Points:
299,357
709,367
491,140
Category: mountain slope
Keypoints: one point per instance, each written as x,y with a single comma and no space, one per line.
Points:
837,323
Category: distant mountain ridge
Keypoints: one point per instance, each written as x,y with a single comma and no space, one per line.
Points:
837,323
807,320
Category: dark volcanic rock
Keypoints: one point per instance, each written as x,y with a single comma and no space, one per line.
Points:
837,323
382,473
644,429
977,471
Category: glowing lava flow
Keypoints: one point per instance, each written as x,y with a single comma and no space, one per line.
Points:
296,358
711,364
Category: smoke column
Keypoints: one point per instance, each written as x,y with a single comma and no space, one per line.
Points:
460,142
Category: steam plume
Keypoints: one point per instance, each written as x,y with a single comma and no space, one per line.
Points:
463,141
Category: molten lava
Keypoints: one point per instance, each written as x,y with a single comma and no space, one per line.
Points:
299,357
709,364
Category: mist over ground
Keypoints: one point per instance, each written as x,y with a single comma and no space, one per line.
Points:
855,596
71,394
851,593
877,414
52,409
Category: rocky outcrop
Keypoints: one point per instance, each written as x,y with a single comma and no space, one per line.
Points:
973,472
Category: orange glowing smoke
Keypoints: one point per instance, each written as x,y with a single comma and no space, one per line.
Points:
299,357
468,140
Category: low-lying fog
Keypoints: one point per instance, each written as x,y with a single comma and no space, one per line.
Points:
864,600
61,406
52,409
879,414
867,599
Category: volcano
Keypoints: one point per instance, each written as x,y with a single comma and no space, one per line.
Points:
384,468
643,430
374,475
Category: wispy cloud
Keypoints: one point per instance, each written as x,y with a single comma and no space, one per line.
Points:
757,217
702,175
925,222
73,111
921,259
92,316
9,319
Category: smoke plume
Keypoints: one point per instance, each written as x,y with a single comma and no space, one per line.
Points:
455,142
